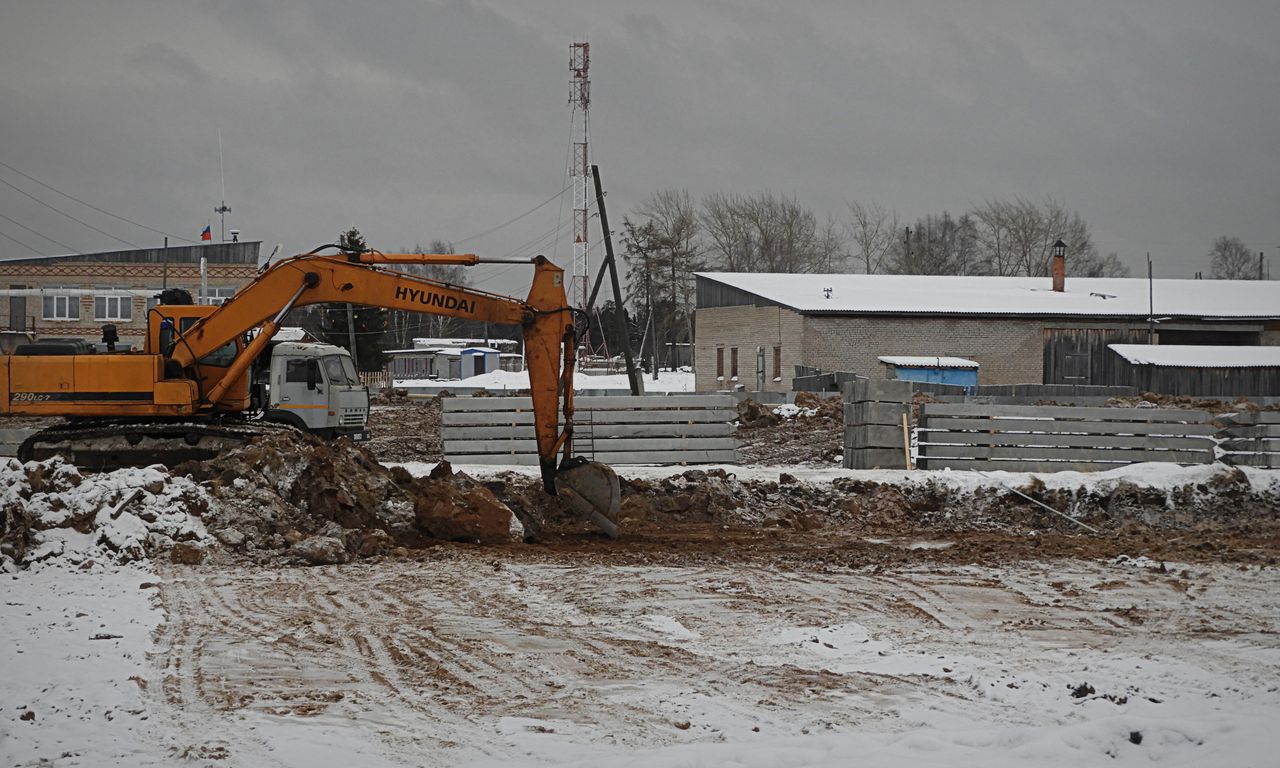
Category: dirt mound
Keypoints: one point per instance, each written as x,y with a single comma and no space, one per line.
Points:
1154,400
295,493
49,511
807,433
1221,503
404,428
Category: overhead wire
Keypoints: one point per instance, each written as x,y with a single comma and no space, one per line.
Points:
19,242
91,205
509,222
37,233
55,209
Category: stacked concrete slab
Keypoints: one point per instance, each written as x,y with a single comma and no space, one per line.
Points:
1027,438
1252,439
651,429
873,435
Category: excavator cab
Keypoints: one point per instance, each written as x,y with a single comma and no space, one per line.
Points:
166,323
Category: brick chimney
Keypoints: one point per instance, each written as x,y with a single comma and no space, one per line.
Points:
1059,267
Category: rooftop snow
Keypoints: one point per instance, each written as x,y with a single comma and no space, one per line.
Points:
976,295
290,333
1189,356
926,361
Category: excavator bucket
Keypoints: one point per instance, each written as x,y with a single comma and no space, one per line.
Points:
591,488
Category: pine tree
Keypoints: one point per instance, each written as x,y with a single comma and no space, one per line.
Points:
370,323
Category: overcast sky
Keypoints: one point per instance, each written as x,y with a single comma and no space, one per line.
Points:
416,120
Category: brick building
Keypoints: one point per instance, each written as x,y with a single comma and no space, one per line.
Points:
753,329
73,296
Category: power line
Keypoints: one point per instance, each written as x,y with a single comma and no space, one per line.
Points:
61,245
91,205
19,242
69,216
491,230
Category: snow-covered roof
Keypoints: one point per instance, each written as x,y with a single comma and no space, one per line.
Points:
457,342
1191,356
977,295
927,361
290,333
480,351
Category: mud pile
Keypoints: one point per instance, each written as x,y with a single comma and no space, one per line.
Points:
403,428
1221,498
49,512
1154,400
324,502
807,433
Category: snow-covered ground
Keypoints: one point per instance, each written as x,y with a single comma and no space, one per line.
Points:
501,658
73,657
1162,475
668,381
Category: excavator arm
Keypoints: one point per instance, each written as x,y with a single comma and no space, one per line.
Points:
545,317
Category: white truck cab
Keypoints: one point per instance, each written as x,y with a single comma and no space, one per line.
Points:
315,387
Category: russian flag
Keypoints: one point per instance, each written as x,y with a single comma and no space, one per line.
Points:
207,234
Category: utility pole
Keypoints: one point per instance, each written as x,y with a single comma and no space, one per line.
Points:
351,334
653,338
1151,302
619,308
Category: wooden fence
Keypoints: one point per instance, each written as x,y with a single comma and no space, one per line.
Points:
1049,438
655,429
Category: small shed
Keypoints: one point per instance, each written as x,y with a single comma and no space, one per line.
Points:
511,361
477,361
929,368
1201,371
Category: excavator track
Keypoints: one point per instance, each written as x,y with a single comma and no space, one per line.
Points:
106,444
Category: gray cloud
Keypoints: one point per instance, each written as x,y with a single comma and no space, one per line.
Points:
421,120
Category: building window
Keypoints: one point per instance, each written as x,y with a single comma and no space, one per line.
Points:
777,363
60,306
112,306
733,363
720,363
220,294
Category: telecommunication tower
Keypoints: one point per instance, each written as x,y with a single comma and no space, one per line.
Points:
580,168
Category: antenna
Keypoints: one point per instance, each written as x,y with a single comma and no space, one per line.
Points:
580,167
222,210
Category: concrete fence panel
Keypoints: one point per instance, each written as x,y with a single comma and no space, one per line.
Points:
1051,438
1252,439
674,429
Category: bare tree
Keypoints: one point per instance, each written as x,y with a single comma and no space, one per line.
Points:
939,245
992,222
403,325
1231,259
662,246
765,233
1016,238
873,231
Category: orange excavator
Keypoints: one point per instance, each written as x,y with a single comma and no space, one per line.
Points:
205,370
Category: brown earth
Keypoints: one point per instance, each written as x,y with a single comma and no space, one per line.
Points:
403,428
771,440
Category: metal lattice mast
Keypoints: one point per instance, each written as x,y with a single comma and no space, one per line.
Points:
580,168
